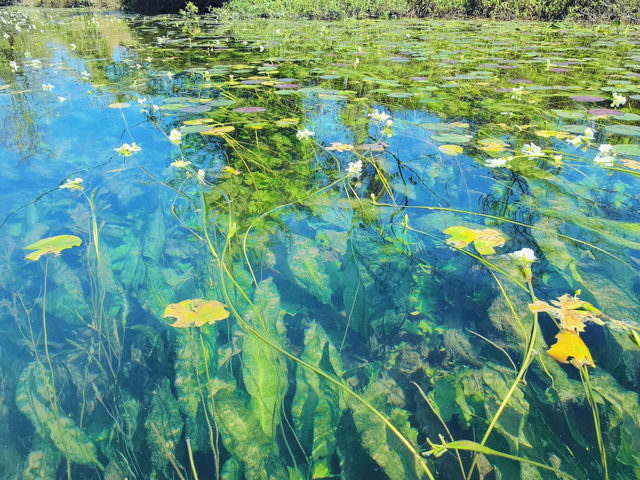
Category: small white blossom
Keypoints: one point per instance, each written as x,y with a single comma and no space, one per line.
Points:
141,101
62,99
304,134
201,175
14,65
162,40
605,148
175,136
381,117
75,184
605,160
47,87
557,160
526,254
355,168
85,75
516,93
127,150
496,162
588,134
575,141
532,150
73,46
618,100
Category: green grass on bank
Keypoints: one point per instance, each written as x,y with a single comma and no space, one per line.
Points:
581,10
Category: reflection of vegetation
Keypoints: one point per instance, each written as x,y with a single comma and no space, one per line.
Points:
306,187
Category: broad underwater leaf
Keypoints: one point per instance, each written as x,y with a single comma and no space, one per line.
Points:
32,398
195,312
569,348
570,311
316,407
263,369
309,270
484,240
163,424
51,245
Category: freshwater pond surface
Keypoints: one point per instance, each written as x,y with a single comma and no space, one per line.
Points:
294,250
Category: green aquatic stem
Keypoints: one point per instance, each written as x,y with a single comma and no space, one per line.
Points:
528,358
588,390
263,337
470,446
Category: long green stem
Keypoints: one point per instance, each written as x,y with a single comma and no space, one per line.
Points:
586,383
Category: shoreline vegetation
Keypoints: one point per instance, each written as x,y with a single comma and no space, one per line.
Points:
613,11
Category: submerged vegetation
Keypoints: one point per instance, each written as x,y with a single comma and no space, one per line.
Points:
300,250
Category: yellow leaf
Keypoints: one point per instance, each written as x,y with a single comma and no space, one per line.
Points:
340,147
484,240
459,125
569,348
570,311
218,130
492,145
630,163
195,312
51,245
119,105
552,133
453,150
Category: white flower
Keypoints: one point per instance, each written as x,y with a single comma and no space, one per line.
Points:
85,75
303,134
557,160
605,148
201,174
526,255
575,141
141,101
36,64
175,136
162,40
605,160
14,65
532,150
47,87
495,162
127,150
588,134
73,46
355,168
516,93
6,36
155,107
75,184
62,99
381,117
618,100
261,48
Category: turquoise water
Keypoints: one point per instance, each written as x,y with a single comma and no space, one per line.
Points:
381,214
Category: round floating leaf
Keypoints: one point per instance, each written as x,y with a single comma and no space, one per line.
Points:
195,312
569,114
629,117
492,145
287,122
484,240
632,149
451,138
552,133
569,348
119,105
194,129
604,112
453,150
249,109
256,125
219,130
586,98
196,109
372,147
626,130
221,102
52,245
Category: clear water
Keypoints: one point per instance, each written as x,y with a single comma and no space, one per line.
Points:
348,301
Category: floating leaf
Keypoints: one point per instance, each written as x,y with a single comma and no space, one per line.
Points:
249,109
484,240
586,98
119,105
492,145
195,312
218,130
633,164
626,130
287,122
569,348
52,245
451,138
340,147
627,149
552,133
570,311
453,150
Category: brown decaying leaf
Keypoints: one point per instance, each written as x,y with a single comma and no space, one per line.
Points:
195,312
569,311
569,348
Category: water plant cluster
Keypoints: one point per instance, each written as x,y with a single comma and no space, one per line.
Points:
294,250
